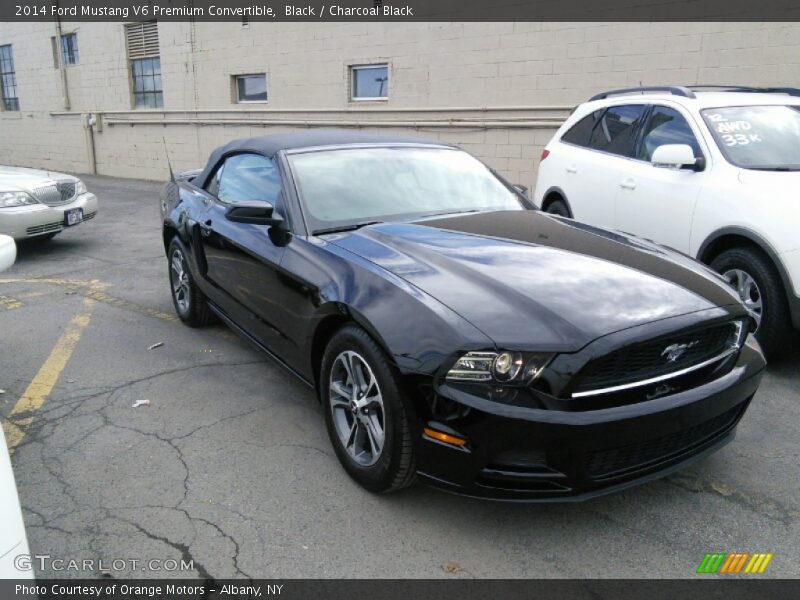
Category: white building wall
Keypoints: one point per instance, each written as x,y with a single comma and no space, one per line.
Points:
539,69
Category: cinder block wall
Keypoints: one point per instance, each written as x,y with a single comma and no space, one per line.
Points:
541,69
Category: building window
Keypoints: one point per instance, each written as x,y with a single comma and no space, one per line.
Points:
141,40
369,82
147,90
251,88
8,79
69,48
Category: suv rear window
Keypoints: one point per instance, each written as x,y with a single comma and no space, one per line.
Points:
579,133
616,130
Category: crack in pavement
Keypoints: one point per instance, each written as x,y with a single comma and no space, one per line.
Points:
185,550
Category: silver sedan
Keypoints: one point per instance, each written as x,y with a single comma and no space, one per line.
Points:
35,203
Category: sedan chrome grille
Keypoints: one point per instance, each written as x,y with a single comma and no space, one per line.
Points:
55,194
66,189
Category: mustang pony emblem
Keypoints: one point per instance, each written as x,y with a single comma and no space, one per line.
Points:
675,351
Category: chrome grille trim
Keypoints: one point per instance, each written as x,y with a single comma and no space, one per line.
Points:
55,194
66,189
47,228
635,384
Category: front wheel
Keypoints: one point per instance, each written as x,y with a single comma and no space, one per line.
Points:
558,207
190,303
759,286
366,412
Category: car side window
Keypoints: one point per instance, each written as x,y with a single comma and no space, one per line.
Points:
666,126
212,187
579,133
246,177
615,131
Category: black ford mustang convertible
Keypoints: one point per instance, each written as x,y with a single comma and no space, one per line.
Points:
452,331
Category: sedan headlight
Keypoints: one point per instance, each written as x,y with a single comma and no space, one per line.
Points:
80,188
503,367
8,199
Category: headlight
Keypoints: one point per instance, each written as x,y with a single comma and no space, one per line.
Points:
8,199
503,367
80,188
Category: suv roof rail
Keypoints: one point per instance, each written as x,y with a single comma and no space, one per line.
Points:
748,89
675,90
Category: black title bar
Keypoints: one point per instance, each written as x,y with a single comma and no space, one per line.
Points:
458,589
400,11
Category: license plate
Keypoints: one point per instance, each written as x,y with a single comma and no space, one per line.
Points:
73,217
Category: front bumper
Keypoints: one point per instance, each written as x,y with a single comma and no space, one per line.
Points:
524,454
22,222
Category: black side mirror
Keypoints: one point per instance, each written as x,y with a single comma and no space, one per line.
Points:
256,212
522,189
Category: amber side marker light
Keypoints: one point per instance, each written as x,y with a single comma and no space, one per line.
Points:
444,437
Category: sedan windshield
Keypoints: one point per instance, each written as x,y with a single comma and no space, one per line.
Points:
349,187
757,137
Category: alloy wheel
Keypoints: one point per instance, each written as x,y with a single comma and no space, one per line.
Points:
180,281
357,408
748,291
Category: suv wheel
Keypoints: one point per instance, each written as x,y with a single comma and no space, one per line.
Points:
558,207
190,303
366,412
759,286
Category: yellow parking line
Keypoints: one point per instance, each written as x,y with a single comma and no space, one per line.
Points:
34,396
9,303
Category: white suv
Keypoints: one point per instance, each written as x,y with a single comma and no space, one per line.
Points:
711,172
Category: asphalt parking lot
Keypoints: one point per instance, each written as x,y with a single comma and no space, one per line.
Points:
230,466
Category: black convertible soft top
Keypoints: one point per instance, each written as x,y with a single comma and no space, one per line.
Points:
269,145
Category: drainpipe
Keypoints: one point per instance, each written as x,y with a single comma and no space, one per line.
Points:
90,122
61,67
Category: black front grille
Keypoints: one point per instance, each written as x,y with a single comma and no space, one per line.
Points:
649,360
618,461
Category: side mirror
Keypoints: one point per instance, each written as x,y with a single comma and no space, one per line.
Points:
522,189
676,156
256,212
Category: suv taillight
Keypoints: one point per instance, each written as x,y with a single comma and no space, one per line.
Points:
545,154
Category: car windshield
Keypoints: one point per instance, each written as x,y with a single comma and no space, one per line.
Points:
347,187
757,137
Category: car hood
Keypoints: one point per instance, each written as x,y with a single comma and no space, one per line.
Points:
531,280
14,179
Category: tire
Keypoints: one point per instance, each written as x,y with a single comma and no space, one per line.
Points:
559,207
393,466
760,287
190,303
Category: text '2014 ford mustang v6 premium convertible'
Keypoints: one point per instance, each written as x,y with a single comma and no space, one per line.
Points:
452,331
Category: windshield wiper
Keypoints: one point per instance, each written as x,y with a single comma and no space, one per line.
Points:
775,168
455,212
343,228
